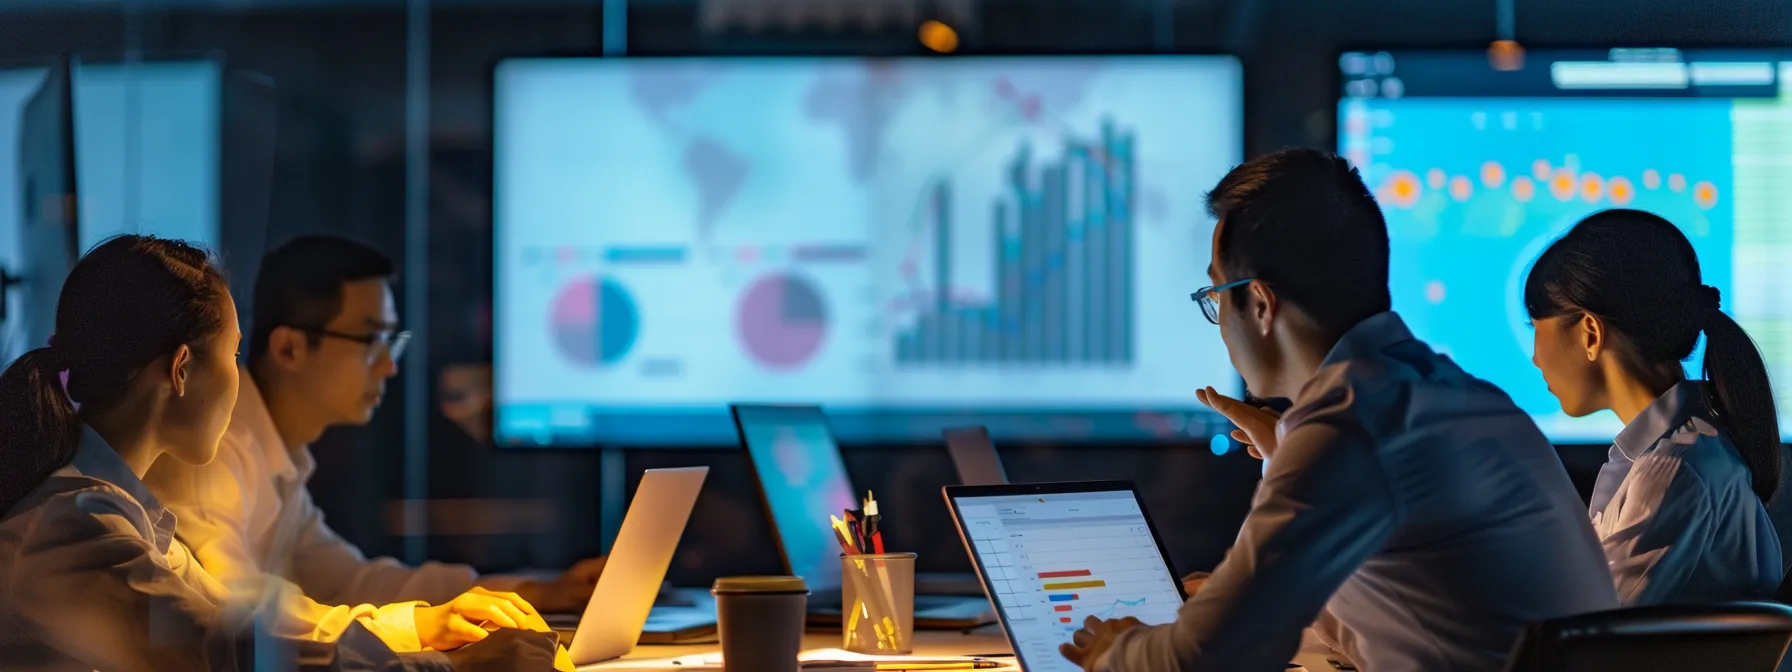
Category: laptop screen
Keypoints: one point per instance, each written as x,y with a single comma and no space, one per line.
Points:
804,481
1051,559
975,456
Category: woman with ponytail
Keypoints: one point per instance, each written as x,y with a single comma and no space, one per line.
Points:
1617,305
92,575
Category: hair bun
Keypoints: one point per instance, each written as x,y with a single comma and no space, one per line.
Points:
1709,298
53,358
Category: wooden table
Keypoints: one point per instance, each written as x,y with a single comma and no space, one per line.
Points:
927,643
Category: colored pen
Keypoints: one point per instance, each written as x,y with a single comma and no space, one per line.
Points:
871,516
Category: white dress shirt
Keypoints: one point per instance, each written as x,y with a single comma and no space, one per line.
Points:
1417,505
248,515
1676,509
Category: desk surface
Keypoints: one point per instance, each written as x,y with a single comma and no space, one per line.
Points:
927,643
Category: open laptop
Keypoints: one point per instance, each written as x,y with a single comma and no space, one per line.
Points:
620,605
1051,554
803,481
975,456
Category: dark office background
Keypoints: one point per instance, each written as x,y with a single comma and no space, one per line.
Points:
340,165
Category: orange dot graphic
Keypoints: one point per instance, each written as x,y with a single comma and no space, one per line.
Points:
1561,185
1523,189
1677,182
1434,178
1651,179
1461,188
1705,194
1592,188
1621,189
1540,169
1493,175
1402,189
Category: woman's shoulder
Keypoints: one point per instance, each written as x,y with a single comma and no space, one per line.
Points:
69,507
1703,449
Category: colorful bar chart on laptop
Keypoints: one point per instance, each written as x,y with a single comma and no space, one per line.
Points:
1052,562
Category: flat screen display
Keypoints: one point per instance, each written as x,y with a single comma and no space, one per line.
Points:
1050,561
914,243
804,481
1479,169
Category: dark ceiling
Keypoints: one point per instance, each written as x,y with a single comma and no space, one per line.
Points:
1288,46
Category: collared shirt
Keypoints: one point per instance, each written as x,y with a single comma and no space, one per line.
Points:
248,516
91,577
1676,510
1417,505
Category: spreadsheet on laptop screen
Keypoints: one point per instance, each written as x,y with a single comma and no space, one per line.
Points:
1050,560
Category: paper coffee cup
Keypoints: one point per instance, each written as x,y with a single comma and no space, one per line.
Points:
760,621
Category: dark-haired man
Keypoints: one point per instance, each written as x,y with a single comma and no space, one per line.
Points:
323,341
1413,504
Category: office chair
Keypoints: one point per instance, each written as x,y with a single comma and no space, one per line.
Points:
1735,636
1784,594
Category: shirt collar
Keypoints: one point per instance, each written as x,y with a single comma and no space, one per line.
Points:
94,458
1669,411
252,413
1373,334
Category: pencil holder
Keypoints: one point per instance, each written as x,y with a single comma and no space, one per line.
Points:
878,603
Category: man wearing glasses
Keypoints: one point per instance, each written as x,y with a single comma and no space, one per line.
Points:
323,340
1409,511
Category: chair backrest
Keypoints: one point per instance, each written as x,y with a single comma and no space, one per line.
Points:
1784,594
1736,636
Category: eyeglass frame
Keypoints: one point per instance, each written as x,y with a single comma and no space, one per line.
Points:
394,342
1209,298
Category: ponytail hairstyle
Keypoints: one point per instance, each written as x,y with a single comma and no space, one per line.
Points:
1639,274
132,300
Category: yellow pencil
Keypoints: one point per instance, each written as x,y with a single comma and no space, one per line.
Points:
964,665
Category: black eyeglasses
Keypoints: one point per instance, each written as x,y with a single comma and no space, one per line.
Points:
1209,298
386,343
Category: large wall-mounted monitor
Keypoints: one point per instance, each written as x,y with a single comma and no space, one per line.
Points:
1479,168
913,243
142,141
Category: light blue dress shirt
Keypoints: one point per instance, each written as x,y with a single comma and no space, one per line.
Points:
1417,505
93,576
1676,510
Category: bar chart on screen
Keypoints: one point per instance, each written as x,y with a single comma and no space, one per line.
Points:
1062,265
903,241
1051,562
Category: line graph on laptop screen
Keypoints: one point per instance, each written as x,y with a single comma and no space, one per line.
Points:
1051,560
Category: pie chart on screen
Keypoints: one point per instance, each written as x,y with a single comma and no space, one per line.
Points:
594,322
781,321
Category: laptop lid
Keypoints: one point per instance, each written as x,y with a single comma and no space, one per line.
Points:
638,561
1051,554
803,481
974,454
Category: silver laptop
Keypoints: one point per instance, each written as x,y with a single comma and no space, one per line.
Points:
975,456
643,551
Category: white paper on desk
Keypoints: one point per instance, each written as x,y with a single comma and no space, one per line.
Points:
842,655
818,660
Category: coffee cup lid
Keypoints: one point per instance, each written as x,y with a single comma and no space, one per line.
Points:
760,585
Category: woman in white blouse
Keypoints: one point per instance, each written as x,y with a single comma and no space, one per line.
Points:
91,574
1618,304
